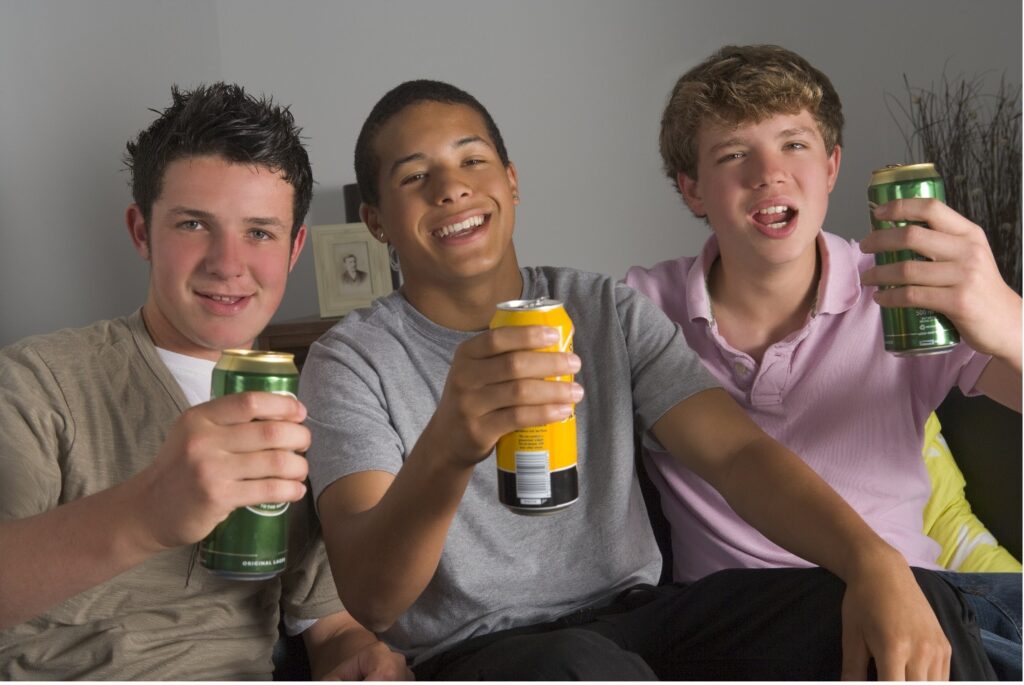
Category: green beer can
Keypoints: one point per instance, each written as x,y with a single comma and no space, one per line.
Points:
909,331
252,542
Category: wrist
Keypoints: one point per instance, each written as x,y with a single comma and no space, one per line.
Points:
876,560
134,500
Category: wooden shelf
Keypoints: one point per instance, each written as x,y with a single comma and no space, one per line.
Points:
294,336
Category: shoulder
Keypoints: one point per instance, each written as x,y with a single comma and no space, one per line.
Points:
593,297
72,346
364,335
847,252
669,275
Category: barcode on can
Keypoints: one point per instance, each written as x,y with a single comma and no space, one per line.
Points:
533,477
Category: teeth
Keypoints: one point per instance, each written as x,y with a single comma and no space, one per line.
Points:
224,298
461,227
777,209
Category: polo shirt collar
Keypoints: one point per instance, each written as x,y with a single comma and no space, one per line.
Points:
838,289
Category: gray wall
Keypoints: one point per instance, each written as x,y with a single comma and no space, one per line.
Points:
577,87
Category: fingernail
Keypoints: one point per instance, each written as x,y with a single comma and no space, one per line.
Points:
563,411
575,363
551,335
577,392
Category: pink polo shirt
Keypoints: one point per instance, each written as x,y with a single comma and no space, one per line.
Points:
829,392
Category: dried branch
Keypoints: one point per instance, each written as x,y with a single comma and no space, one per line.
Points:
974,140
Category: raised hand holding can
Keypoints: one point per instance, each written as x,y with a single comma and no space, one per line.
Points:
909,331
252,542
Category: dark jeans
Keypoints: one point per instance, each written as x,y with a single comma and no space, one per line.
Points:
995,599
744,624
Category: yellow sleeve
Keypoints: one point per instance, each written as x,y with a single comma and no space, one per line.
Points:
967,545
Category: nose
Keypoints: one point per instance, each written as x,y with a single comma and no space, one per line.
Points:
767,170
450,187
224,256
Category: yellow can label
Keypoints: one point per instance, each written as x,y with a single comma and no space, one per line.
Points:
556,440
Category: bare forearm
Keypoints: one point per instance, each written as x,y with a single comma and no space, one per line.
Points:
798,510
384,557
55,555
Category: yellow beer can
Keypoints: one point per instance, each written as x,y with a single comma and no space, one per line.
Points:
537,471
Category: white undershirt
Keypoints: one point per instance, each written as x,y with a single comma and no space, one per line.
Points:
194,376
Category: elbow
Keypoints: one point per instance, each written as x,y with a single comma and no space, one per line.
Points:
368,603
372,615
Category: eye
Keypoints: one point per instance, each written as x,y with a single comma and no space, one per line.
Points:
413,178
728,157
474,162
191,225
261,235
796,146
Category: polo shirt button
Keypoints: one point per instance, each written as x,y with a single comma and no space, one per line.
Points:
740,368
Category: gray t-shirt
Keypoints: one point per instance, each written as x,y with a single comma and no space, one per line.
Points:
373,382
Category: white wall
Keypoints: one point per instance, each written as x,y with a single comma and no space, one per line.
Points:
577,87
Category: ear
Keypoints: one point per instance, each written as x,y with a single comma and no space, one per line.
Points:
137,230
833,166
513,181
297,245
691,192
371,217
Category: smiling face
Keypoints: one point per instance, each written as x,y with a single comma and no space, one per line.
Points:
447,203
764,189
218,245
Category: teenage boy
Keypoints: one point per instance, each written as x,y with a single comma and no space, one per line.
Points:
406,401
108,477
780,314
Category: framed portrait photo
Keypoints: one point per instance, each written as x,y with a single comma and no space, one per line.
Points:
352,269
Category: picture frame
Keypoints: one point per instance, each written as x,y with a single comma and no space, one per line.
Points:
352,268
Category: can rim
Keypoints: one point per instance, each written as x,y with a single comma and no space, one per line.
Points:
894,173
537,304
257,361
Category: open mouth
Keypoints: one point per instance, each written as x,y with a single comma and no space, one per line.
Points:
776,217
462,228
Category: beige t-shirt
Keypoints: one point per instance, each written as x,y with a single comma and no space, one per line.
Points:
82,410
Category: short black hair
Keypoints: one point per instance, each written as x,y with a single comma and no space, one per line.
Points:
394,102
220,119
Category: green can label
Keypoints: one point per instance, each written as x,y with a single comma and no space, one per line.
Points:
909,330
252,542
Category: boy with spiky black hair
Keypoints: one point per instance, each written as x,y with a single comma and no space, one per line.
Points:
113,461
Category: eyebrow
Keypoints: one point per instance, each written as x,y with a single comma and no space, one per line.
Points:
419,156
207,216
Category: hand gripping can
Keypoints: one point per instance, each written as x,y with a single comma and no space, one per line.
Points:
252,542
537,471
909,331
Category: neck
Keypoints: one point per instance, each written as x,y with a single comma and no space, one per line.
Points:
164,335
466,304
755,309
